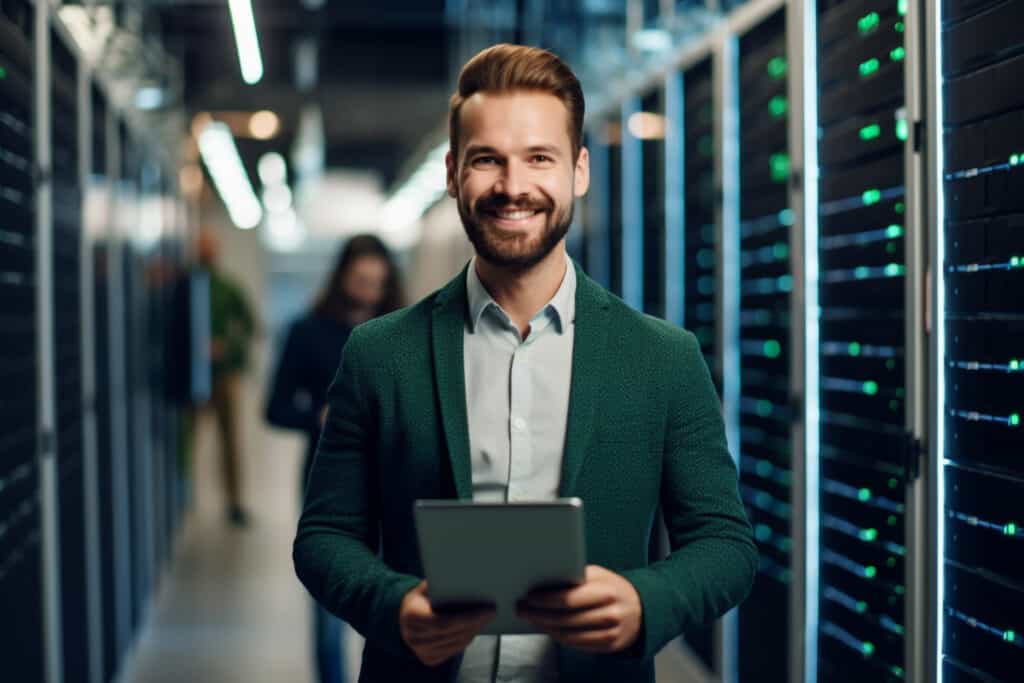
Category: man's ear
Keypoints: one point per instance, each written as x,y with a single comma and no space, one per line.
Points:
450,169
581,179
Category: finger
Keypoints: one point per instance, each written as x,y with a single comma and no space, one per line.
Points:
597,641
592,619
459,629
585,596
437,653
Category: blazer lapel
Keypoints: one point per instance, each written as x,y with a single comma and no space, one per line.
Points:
448,328
588,356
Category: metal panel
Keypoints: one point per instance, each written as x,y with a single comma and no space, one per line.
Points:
632,246
674,293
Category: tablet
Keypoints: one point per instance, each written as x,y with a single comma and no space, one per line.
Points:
496,553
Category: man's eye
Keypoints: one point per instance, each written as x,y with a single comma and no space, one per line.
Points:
484,161
540,158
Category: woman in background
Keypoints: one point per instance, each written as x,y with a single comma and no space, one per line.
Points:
365,283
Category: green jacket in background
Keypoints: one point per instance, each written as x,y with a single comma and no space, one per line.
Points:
644,428
231,322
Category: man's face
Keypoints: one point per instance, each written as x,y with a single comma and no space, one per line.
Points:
515,178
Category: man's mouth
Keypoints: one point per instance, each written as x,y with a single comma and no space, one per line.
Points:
515,214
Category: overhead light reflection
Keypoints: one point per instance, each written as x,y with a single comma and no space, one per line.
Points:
217,148
272,169
646,125
264,125
246,40
405,207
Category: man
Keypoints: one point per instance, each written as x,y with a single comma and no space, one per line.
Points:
231,330
522,379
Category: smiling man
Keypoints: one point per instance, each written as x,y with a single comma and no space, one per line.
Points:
523,379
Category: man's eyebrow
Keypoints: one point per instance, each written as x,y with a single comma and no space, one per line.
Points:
480,149
547,149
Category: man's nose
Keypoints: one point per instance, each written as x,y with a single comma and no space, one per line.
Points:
512,181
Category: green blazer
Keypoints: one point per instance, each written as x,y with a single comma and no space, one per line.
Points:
644,428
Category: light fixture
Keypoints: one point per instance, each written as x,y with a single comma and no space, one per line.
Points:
217,148
149,97
272,169
405,207
652,40
264,125
277,198
646,125
246,40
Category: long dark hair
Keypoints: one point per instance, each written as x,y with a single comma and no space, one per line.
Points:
333,301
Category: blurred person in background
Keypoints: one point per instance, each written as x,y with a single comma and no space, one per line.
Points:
364,284
232,326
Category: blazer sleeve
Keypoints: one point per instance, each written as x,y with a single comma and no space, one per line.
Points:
713,559
335,547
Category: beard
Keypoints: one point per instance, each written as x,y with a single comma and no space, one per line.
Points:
513,251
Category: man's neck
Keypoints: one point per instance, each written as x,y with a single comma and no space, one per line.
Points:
523,294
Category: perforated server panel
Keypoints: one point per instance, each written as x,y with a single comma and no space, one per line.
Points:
21,628
649,124
67,227
699,240
765,286
613,151
983,110
860,69
699,245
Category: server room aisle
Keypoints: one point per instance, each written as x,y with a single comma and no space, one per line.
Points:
230,607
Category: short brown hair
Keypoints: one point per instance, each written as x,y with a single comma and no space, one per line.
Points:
506,68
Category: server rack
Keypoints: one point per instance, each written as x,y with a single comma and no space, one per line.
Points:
595,211
649,124
700,231
980,364
765,285
21,630
67,229
862,347
614,156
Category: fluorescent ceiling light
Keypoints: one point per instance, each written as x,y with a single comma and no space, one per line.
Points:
264,125
284,232
246,41
277,198
220,156
149,97
272,169
652,40
646,125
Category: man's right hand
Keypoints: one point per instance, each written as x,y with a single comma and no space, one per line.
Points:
433,637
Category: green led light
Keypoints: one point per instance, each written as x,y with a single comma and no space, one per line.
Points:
772,348
890,364
785,283
870,572
862,606
870,388
890,248
869,535
1010,529
764,408
901,6
899,590
893,269
1016,262
864,495
764,468
3,72
894,231
1014,420
894,405
891,563
780,250
854,348
902,131
871,197
869,67
893,520
893,482
900,28
868,23
778,106
1009,636
867,648
870,132
1014,159
900,208
897,54
777,67
861,272
786,217
1014,364
763,533
897,671
779,167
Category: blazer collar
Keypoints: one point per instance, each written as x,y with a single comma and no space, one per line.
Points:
450,313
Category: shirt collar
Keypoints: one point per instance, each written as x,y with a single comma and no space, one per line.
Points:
561,307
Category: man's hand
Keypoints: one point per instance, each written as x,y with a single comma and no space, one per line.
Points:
433,637
601,615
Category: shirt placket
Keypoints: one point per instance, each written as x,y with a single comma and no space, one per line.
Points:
520,400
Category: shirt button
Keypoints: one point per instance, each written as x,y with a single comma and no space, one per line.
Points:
518,424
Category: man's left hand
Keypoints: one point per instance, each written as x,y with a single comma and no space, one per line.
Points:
601,615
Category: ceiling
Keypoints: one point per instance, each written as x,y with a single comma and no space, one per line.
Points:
382,77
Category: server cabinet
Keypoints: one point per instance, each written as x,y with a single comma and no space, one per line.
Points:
699,267
67,229
861,357
595,209
21,629
648,124
613,155
983,238
765,286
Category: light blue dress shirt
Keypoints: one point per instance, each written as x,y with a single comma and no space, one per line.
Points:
517,403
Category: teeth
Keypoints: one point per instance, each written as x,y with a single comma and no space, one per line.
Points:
515,215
